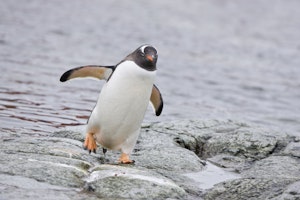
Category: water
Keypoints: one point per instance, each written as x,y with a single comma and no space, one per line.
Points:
217,59
211,176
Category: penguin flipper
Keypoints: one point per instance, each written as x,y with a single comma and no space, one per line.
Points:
156,100
95,71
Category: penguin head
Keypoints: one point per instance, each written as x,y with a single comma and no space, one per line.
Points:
145,56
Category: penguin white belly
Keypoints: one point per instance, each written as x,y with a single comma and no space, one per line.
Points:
121,107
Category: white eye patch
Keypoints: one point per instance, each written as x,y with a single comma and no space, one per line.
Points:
143,47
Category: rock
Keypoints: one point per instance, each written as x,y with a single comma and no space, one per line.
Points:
266,179
243,142
279,167
108,181
243,162
57,161
169,159
292,192
293,149
226,137
234,163
74,135
20,187
248,188
255,153
158,151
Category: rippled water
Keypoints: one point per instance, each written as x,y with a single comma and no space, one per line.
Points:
217,59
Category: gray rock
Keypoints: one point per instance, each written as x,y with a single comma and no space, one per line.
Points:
292,149
74,135
57,161
158,151
168,164
254,152
266,179
226,137
245,142
169,159
20,187
108,181
234,163
292,192
226,143
243,189
280,167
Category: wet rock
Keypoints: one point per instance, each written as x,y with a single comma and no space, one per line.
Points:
245,142
74,135
293,149
266,160
280,167
169,159
227,144
292,192
20,187
234,163
57,161
108,181
266,179
226,137
242,162
248,188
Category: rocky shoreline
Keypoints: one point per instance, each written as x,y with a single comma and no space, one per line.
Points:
190,159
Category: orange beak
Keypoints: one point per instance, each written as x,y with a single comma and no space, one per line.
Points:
150,58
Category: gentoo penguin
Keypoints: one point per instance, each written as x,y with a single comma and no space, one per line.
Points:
115,121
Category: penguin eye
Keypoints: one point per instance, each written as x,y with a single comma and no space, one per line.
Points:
146,49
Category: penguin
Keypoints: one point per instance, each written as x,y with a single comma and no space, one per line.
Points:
115,121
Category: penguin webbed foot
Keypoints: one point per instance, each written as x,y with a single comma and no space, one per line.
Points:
130,162
90,143
124,159
90,151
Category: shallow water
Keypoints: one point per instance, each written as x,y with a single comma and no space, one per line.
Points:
211,176
217,59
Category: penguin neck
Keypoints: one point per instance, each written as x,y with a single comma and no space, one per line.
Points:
140,61
130,70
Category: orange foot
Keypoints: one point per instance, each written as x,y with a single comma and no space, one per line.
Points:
90,143
124,159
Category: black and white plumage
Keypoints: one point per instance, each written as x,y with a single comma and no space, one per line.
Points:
116,119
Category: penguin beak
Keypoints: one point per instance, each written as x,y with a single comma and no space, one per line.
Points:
149,57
